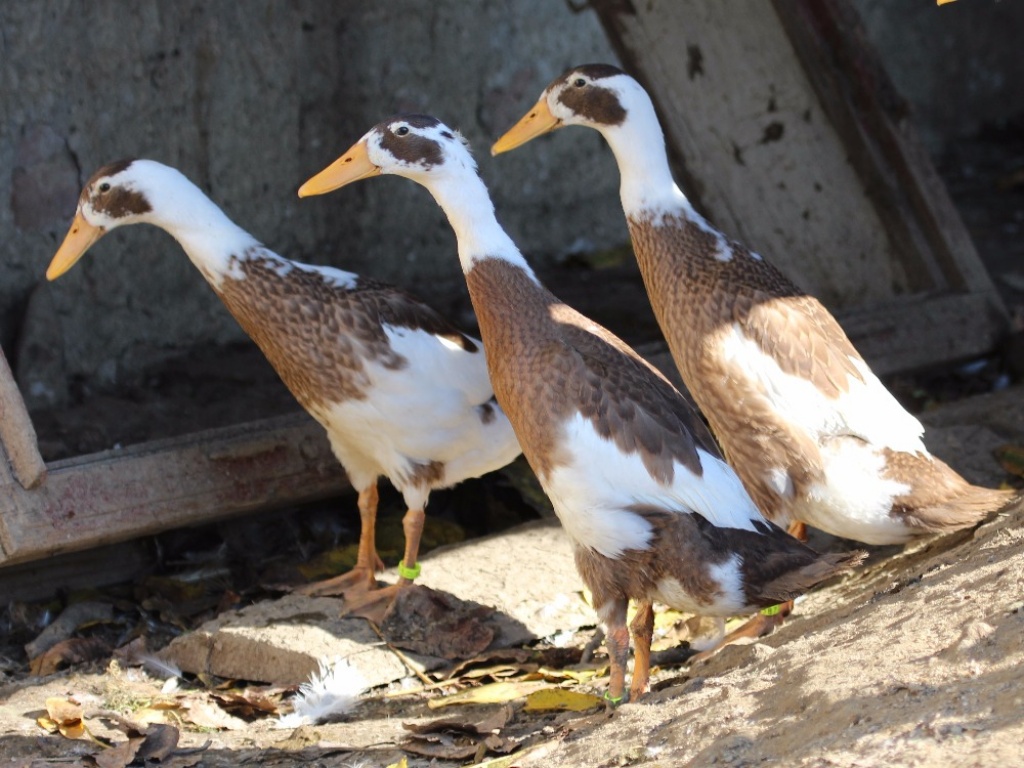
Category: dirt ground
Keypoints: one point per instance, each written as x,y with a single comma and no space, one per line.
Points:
914,660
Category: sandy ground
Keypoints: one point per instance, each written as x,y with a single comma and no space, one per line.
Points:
916,659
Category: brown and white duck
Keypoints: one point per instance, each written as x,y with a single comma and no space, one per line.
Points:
652,510
814,435
401,392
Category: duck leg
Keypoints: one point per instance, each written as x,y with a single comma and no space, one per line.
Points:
642,629
373,605
617,642
412,524
362,577
765,621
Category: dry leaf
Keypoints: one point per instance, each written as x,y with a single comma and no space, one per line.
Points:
495,693
437,623
403,763
161,741
251,703
65,717
73,651
561,700
119,755
206,714
454,739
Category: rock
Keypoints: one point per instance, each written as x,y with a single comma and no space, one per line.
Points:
282,642
511,588
526,573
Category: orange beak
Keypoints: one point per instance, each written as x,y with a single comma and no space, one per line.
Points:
78,240
534,123
352,166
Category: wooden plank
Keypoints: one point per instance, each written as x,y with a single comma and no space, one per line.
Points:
116,495
17,435
812,165
873,120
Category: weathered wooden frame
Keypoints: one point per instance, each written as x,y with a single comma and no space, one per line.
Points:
757,100
116,495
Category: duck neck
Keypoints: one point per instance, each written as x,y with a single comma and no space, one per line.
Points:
204,231
647,188
467,204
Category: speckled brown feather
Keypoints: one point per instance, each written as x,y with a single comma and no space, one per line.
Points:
697,297
775,566
550,363
323,334
577,367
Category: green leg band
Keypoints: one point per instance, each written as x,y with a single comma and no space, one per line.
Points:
409,573
772,610
613,699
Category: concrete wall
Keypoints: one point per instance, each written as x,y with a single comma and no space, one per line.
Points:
249,99
960,66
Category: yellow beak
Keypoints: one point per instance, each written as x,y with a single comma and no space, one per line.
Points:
352,166
536,122
78,240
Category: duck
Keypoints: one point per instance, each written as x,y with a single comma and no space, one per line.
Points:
815,436
651,508
401,392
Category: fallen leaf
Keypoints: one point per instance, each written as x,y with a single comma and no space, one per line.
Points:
161,741
435,745
508,761
561,700
73,651
206,714
495,693
455,739
119,755
493,722
251,703
437,623
518,655
403,763
65,717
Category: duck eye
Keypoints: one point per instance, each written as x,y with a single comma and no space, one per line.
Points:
579,82
402,130
105,186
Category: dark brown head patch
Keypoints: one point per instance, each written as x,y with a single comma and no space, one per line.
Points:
115,201
588,99
411,148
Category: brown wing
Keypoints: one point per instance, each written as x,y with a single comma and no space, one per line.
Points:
630,402
791,327
395,307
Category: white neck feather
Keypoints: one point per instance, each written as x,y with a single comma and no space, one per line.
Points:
202,229
647,189
465,200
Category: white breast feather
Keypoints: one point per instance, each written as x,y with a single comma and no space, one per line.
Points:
424,411
592,493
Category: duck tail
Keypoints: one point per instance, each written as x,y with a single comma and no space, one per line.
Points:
971,506
797,581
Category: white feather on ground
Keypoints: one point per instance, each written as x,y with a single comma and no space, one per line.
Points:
333,690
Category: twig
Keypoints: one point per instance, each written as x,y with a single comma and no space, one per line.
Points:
402,657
